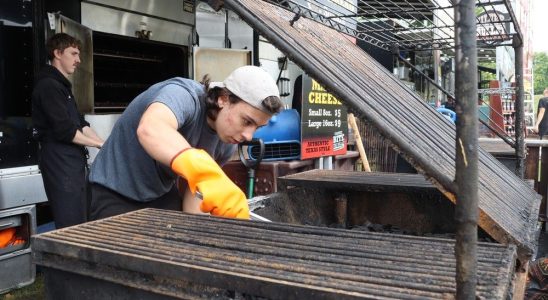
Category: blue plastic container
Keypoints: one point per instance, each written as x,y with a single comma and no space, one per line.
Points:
281,136
449,114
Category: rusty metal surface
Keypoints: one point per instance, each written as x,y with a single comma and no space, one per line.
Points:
266,176
508,206
466,174
359,181
272,260
382,158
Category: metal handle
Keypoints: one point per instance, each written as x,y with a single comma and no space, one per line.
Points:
255,217
252,216
251,163
6,225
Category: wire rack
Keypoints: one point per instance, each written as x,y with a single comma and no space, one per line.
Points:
409,24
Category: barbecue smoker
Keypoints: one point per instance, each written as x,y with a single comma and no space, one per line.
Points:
155,254
20,181
316,249
321,246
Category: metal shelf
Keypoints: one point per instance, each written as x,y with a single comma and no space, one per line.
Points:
497,91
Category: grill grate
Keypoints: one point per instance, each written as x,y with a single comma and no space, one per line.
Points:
272,260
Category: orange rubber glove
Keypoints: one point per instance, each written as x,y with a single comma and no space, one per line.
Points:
221,197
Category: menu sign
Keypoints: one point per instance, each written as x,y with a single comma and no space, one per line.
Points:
493,25
324,128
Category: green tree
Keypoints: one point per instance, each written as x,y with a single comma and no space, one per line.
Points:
486,76
540,71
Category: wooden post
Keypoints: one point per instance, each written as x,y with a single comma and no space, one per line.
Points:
520,282
359,143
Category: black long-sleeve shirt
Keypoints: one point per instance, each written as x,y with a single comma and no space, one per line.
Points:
543,126
54,111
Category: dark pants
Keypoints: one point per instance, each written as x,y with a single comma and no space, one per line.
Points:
63,170
107,203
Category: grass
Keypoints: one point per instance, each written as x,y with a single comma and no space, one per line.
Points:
34,291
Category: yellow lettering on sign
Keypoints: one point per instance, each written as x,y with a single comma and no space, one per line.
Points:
319,95
316,86
322,98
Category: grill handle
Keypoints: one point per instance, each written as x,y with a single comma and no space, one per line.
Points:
7,225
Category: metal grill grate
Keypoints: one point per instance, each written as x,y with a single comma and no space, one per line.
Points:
272,260
381,156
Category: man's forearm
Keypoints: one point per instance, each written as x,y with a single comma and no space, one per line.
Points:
540,116
90,133
82,139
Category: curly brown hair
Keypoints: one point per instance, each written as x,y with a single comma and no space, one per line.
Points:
272,104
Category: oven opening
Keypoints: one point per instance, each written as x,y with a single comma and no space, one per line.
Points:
124,67
14,233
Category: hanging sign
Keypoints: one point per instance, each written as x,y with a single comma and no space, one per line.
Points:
493,25
324,126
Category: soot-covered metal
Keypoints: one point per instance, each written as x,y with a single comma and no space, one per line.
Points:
165,254
508,206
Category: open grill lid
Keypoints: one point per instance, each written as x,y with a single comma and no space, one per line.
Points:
425,138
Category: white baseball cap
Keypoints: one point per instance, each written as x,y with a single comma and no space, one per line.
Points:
251,84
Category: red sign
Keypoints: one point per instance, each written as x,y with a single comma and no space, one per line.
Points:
324,127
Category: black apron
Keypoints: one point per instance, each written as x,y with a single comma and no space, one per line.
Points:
64,171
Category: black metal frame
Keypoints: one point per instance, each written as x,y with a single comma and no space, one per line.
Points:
409,24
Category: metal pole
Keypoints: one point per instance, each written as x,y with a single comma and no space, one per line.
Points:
227,42
328,163
520,111
318,163
466,92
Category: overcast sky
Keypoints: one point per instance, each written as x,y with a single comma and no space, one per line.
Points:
540,25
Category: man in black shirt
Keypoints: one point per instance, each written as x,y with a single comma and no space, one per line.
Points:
62,133
541,126
450,104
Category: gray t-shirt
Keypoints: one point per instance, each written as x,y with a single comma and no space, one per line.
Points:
123,166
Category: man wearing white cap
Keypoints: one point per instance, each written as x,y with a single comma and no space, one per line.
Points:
180,127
